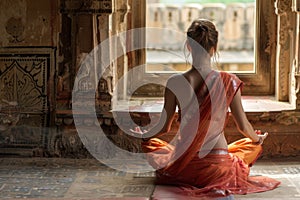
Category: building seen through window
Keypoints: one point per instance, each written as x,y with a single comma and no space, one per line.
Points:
235,21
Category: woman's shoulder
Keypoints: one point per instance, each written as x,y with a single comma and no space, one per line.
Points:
231,79
179,84
175,78
229,75
225,73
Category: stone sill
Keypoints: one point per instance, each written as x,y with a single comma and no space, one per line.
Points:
251,104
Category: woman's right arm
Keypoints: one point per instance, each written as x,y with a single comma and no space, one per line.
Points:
164,124
241,121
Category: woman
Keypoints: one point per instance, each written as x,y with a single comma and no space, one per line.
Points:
199,160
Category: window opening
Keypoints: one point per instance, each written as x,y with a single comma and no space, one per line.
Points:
235,21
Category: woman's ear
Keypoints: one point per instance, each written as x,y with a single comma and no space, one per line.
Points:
212,51
188,46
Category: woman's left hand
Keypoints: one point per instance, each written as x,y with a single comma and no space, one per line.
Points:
262,136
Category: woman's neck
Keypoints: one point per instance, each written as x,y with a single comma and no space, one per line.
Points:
204,70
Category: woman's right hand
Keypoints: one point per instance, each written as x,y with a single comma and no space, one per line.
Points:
138,132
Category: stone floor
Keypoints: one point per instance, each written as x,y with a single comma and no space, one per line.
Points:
54,178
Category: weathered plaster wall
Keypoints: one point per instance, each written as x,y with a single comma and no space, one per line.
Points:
28,23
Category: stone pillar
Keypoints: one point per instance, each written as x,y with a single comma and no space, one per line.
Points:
105,77
85,24
155,17
215,12
136,19
171,24
189,13
285,40
119,23
296,63
233,26
249,26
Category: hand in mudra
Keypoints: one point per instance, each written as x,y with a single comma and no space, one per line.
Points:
262,136
138,132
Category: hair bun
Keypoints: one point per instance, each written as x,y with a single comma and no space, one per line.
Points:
204,33
203,27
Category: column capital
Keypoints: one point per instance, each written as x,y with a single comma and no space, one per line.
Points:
282,6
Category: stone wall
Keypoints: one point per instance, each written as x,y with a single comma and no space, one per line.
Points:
28,41
29,23
283,129
47,43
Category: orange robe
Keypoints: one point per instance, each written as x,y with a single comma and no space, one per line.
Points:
189,160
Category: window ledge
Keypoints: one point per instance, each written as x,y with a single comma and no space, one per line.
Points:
264,104
250,104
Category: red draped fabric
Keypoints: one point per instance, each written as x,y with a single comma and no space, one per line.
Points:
187,161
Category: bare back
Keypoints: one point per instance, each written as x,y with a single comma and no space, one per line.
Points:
196,81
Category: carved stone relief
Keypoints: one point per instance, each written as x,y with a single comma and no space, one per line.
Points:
282,6
286,118
12,20
296,61
89,19
25,104
92,6
297,90
106,85
63,82
283,9
28,23
15,28
283,129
